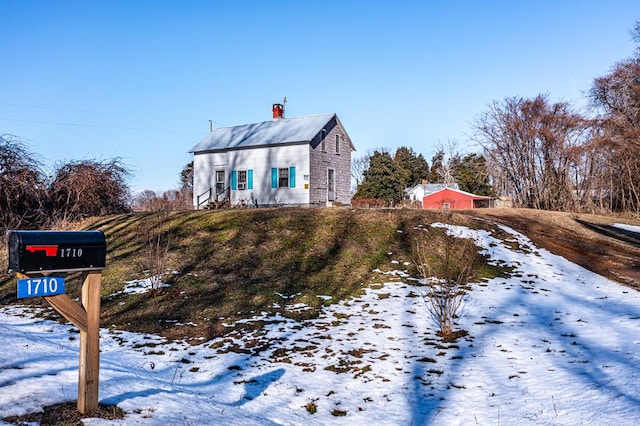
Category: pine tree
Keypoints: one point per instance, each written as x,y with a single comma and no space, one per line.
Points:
414,166
383,180
470,172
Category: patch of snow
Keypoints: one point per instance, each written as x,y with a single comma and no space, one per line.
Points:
632,228
141,286
284,296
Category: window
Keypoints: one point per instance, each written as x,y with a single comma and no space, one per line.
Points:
337,144
446,206
283,178
219,181
242,179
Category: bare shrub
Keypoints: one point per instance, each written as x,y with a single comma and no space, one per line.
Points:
446,263
155,251
22,186
172,199
85,188
368,203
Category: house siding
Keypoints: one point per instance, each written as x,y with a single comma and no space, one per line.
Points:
204,167
321,161
260,161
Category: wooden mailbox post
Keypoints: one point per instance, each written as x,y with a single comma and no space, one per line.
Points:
34,256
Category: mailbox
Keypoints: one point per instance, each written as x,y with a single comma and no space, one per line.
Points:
49,251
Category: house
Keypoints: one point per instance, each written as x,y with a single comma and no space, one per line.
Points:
418,192
449,198
285,161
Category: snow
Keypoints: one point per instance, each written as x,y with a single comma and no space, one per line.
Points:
632,228
141,286
553,344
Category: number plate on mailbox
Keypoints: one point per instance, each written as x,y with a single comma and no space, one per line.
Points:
40,286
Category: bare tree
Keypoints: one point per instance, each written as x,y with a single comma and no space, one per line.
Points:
358,166
530,146
172,199
448,154
617,97
143,200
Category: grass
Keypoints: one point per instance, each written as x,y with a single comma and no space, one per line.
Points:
231,264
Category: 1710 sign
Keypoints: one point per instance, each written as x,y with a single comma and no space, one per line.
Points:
40,286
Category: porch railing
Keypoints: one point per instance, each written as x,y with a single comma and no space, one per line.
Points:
206,199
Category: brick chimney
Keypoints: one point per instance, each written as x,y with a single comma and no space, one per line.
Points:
278,111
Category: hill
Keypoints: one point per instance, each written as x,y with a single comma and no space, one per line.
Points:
230,265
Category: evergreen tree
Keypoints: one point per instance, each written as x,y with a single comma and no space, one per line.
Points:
383,179
186,177
403,159
415,168
471,174
421,169
435,173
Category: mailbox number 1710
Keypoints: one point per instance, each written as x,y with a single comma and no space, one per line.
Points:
41,286
71,252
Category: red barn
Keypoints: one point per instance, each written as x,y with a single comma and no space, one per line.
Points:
449,198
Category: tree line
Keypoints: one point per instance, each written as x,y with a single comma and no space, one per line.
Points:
385,177
541,154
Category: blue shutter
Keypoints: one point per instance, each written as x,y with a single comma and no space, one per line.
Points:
292,177
274,178
249,179
234,179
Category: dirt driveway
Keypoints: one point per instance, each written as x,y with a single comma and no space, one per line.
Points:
588,240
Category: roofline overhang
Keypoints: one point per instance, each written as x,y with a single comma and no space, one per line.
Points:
242,148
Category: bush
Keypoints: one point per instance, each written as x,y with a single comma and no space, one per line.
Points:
447,264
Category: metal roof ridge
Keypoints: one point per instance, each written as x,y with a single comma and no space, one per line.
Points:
275,121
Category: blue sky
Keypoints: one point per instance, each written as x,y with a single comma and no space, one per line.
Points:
140,80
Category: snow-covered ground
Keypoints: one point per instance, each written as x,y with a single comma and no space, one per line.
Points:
553,344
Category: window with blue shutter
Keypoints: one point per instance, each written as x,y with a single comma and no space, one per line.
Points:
292,177
249,179
234,180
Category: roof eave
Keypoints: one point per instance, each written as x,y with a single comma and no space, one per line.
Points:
240,148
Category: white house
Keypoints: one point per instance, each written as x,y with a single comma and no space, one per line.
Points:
285,161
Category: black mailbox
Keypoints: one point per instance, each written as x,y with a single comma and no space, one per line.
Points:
49,251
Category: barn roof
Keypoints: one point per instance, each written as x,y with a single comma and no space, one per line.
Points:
276,132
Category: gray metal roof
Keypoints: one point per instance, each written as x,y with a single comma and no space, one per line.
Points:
276,132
